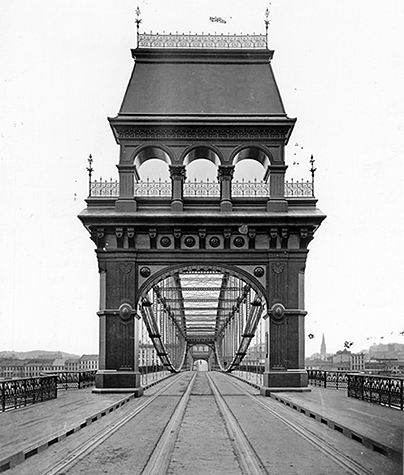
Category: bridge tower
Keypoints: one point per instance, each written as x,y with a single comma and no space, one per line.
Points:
211,97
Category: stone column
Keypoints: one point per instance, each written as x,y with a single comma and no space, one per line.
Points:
177,175
126,200
277,201
225,176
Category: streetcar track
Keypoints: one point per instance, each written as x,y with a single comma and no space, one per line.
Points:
76,455
248,459
340,458
161,456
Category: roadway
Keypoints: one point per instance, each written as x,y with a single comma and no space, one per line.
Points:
201,423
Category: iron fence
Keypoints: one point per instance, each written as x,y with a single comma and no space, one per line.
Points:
15,393
75,379
152,373
328,379
383,390
299,189
201,188
104,188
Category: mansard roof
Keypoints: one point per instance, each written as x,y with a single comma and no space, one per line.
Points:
192,82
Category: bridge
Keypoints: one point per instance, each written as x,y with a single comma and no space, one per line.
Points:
195,268
204,422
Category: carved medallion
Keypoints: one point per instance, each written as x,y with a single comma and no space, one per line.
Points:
190,241
214,241
125,311
239,241
278,311
259,271
145,272
165,241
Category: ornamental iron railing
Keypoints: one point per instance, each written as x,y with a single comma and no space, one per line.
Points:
15,393
153,188
162,188
208,41
151,374
299,188
383,390
201,188
328,379
104,188
75,379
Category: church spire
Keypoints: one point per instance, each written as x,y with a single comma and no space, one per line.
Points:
323,349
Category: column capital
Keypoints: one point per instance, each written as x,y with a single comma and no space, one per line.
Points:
177,172
225,172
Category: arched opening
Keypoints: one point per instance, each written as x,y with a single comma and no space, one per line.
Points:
202,307
200,365
154,169
201,179
153,173
249,170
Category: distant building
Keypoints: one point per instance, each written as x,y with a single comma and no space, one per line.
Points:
148,355
88,363
357,362
72,365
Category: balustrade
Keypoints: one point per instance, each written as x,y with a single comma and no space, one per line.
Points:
162,188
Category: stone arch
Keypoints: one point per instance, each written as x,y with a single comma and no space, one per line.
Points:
176,268
152,151
207,151
260,153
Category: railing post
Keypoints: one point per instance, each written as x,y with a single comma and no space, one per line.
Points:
3,396
401,394
325,379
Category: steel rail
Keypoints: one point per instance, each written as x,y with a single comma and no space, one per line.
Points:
76,455
160,458
340,458
246,456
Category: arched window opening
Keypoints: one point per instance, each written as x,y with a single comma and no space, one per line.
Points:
201,179
154,178
249,180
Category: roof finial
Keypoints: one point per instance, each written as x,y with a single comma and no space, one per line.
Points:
312,171
267,21
90,171
138,21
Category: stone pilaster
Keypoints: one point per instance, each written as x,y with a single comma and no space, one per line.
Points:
126,200
277,201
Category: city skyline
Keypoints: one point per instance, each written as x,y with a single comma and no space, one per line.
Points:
339,70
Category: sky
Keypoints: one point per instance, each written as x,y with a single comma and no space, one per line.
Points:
64,69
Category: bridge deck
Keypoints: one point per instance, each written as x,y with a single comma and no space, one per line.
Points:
27,431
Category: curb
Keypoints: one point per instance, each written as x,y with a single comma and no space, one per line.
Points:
18,457
367,442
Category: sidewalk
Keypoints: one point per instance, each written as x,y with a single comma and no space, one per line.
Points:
376,427
31,429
